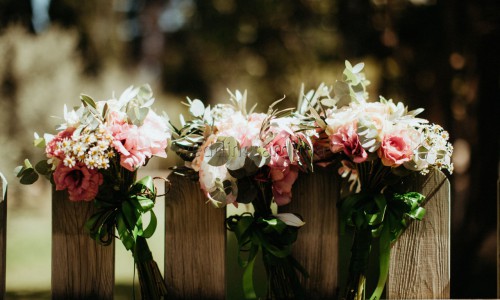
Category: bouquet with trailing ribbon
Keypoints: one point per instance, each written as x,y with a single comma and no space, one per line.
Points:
375,144
242,157
95,157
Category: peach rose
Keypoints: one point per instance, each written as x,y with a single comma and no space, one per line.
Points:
396,148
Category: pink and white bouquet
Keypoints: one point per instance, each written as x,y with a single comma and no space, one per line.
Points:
375,145
95,157
246,157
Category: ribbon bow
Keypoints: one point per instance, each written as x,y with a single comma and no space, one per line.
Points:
386,216
126,215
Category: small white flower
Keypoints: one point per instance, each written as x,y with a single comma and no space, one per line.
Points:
69,161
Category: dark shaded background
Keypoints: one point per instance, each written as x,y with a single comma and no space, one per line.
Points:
440,55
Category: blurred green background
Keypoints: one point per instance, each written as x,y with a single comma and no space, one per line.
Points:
440,55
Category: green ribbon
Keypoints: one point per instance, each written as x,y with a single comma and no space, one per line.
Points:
401,209
386,216
269,235
125,215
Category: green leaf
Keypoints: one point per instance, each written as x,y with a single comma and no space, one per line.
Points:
29,176
39,142
88,101
219,158
105,110
43,167
145,92
26,173
137,115
231,146
236,163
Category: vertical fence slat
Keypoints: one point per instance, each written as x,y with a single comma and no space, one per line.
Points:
315,197
420,260
81,268
3,232
195,243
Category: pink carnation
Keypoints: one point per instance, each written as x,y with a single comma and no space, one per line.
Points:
283,180
82,183
52,150
245,130
136,144
396,148
346,139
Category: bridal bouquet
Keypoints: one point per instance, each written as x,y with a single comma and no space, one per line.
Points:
375,145
246,157
95,157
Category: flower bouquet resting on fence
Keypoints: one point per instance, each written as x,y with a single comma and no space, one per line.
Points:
95,157
243,158
376,145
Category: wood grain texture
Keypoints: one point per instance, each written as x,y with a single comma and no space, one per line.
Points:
3,232
420,259
195,243
315,198
81,268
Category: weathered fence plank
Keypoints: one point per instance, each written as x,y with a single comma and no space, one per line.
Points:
420,260
3,232
81,268
315,197
195,243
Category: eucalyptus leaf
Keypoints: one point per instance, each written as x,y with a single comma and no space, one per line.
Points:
197,109
231,146
39,142
219,158
43,167
145,92
29,176
235,163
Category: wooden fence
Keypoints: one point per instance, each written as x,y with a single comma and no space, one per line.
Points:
195,244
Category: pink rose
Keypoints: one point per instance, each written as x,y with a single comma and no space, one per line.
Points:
346,139
82,183
396,148
283,180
